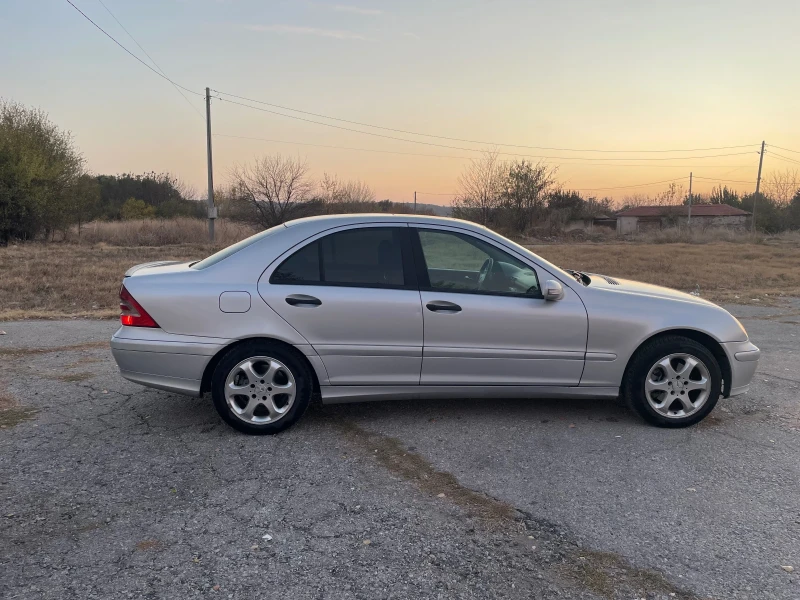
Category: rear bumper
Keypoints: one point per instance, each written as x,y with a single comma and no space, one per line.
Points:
743,358
157,359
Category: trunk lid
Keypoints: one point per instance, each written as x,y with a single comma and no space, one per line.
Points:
159,266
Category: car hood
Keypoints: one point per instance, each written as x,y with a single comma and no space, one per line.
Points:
628,286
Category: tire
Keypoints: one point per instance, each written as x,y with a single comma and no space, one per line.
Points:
261,388
656,387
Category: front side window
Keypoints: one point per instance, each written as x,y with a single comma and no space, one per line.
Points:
368,257
461,263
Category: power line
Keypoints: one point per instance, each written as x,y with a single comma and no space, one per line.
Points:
779,148
724,180
650,166
242,137
435,194
391,137
152,60
454,139
109,36
786,158
624,187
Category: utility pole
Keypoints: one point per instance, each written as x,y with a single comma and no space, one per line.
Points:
758,187
212,210
415,202
689,220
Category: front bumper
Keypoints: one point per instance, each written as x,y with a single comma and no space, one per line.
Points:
743,359
155,358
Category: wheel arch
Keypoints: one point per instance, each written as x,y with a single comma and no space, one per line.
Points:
700,337
205,384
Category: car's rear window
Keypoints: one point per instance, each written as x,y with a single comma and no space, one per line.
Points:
231,250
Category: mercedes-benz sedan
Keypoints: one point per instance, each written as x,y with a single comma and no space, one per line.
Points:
368,307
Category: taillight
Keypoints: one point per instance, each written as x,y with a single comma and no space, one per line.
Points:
131,312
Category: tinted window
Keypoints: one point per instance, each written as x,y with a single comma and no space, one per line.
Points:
457,262
363,257
357,257
300,267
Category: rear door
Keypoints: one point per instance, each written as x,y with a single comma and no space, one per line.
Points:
353,295
485,320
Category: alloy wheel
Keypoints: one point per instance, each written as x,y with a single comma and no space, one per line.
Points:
677,385
260,390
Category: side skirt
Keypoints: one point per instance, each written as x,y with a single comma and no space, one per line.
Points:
339,394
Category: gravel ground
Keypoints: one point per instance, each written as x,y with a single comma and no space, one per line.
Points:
111,490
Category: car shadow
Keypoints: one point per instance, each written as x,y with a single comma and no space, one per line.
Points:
499,411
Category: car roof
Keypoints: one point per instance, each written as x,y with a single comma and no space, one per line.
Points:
323,222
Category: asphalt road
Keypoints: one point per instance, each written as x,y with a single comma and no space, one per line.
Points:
111,490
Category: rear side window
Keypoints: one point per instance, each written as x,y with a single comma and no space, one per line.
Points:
369,257
300,267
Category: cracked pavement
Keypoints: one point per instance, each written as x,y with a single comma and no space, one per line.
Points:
112,490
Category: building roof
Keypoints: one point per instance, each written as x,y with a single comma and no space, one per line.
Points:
698,210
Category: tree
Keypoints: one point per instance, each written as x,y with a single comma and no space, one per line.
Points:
83,200
134,208
782,186
165,193
344,196
724,195
480,189
525,191
278,188
39,164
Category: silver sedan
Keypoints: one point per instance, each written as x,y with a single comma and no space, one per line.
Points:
372,307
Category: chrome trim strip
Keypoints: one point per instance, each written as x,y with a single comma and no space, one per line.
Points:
367,350
601,356
446,352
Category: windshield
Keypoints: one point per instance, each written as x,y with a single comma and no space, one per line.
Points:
231,250
547,264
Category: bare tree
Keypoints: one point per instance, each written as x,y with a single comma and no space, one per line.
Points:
277,187
480,188
781,186
344,196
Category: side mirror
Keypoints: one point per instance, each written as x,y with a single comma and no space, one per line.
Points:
552,290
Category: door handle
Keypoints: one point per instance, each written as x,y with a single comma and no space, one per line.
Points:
302,300
443,306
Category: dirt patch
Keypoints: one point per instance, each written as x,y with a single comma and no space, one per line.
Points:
602,572
412,467
606,574
11,413
74,377
17,352
146,545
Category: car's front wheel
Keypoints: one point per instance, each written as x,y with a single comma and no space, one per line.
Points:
261,388
673,381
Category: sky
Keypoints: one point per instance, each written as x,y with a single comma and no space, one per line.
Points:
574,74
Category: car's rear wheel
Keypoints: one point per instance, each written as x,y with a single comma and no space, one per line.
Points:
261,388
673,381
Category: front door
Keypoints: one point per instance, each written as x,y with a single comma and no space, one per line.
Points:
485,320
353,295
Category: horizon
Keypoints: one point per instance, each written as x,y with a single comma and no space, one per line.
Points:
630,94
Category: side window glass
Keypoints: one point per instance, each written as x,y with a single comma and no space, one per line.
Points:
300,267
457,262
356,257
371,256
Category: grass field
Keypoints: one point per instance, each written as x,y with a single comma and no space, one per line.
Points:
58,280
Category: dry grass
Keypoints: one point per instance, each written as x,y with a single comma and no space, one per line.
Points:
56,280
724,272
159,232
79,280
